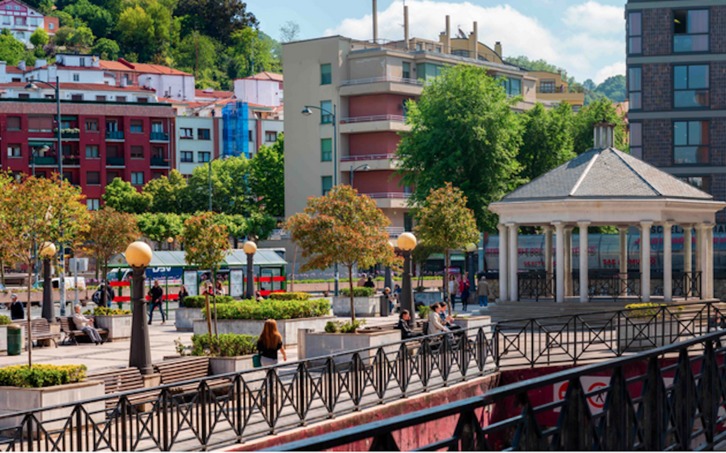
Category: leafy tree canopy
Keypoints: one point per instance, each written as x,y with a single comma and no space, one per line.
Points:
109,233
219,19
11,50
122,196
547,140
268,177
602,110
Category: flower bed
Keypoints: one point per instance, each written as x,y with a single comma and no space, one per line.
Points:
117,321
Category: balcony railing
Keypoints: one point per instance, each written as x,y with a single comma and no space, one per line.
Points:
74,161
382,79
159,136
388,195
45,160
365,119
159,162
70,135
395,232
114,135
115,161
360,157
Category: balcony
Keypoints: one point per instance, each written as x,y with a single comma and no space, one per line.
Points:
114,135
398,200
373,123
70,134
73,161
115,161
157,136
159,162
386,84
374,161
45,160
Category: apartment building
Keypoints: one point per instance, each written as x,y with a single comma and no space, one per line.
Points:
553,89
22,20
676,64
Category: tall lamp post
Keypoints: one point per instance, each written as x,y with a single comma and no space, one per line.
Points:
470,251
47,251
406,243
138,255
364,167
62,259
250,248
334,116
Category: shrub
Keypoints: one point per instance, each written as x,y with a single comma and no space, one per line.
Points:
228,344
41,375
358,292
274,309
4,320
332,326
105,311
290,296
198,301
423,311
644,310
343,327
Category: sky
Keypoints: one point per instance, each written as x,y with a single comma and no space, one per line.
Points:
584,37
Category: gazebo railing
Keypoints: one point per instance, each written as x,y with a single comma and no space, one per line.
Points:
690,280
535,284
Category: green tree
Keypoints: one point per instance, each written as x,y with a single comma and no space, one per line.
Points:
197,53
109,233
7,242
160,226
253,52
444,222
167,193
98,19
613,88
534,65
259,225
602,110
345,228
206,245
81,40
463,131
11,50
107,49
268,177
135,32
231,193
39,38
236,226
218,19
546,140
123,197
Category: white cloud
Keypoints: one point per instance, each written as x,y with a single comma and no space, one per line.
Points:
609,71
572,46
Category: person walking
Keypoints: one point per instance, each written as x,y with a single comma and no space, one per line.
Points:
16,308
157,295
269,343
183,294
482,291
86,325
452,290
465,294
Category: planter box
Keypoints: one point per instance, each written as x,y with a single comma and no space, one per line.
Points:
224,365
321,344
637,335
16,399
473,322
288,327
428,297
119,327
364,306
184,318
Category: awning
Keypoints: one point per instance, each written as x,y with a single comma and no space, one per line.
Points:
235,258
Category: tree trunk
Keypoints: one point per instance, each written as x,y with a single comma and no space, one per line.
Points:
214,301
207,312
2,272
28,330
446,280
352,299
292,274
104,294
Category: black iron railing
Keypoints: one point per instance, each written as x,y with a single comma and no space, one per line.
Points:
231,408
535,284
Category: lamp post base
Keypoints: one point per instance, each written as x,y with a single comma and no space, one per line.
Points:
140,352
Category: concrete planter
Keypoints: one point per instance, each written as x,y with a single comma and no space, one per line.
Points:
428,297
364,306
473,322
224,365
184,318
638,335
119,327
321,344
288,327
16,399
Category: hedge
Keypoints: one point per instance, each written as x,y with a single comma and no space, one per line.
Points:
198,301
274,309
41,375
228,344
4,320
104,311
289,296
358,292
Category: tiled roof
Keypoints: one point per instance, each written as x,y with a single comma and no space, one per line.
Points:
605,173
212,94
265,75
145,68
81,87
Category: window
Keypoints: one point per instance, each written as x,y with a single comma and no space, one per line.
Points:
635,95
93,178
92,125
120,98
14,151
690,86
635,33
691,140
13,123
137,126
157,126
270,136
187,156
204,156
326,112
326,149
137,152
40,124
690,30
143,100
547,86
92,152
93,204
76,77
186,133
112,125
100,98
406,70
51,26
249,136
636,139
19,20
137,178
113,151
326,74
513,87
203,134
699,182
23,96
327,184
76,97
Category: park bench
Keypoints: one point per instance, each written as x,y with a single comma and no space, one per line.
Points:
123,380
185,369
68,328
40,331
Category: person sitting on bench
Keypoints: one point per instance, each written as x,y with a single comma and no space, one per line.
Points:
406,331
86,325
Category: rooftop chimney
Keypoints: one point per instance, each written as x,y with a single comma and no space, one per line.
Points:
498,49
603,135
21,65
447,44
405,25
39,63
475,34
375,21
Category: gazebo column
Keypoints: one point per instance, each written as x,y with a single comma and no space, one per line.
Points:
548,254
503,251
645,260
700,255
513,262
709,261
623,262
667,263
687,258
568,261
559,261
584,283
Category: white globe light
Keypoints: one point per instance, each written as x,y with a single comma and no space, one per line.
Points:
138,254
407,242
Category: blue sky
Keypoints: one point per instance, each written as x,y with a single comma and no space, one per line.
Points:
585,37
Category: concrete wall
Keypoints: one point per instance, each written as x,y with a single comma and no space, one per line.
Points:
255,91
194,144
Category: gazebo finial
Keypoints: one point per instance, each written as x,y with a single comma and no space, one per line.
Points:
604,135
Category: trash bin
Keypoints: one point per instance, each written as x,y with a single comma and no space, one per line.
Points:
15,339
383,306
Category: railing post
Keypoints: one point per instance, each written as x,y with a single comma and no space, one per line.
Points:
164,407
79,429
495,345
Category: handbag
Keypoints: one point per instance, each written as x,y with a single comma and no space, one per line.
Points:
256,361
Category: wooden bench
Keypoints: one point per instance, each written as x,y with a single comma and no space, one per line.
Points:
68,328
40,331
123,380
185,369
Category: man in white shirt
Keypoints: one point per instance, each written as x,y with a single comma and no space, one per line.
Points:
435,324
86,325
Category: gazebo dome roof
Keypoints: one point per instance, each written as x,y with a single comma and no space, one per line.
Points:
605,173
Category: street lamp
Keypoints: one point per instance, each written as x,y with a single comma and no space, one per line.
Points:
138,255
250,248
307,112
47,251
471,249
406,243
364,167
388,277
62,259
170,241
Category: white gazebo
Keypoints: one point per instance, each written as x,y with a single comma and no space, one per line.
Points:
606,187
